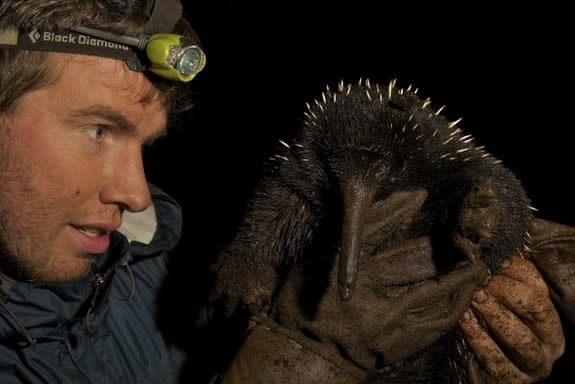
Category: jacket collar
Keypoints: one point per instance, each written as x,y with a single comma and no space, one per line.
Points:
31,311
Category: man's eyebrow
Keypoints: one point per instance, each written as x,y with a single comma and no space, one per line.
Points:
115,117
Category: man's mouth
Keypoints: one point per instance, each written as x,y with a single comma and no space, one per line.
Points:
92,232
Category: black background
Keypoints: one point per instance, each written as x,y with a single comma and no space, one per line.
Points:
509,73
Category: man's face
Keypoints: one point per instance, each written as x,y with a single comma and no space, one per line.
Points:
71,163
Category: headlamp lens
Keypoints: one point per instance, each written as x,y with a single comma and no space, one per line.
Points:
191,61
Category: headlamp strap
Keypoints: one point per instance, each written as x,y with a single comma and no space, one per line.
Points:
163,15
71,42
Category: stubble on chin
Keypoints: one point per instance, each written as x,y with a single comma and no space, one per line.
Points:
51,273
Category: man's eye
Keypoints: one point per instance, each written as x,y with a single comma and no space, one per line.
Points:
96,132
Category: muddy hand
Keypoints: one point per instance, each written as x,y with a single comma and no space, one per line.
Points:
513,327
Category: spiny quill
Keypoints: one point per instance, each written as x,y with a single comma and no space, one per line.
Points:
357,147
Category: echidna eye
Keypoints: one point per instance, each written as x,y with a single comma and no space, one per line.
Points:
395,106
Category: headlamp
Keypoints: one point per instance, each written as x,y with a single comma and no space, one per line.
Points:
172,56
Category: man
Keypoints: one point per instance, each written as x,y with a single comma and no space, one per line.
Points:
79,302
84,87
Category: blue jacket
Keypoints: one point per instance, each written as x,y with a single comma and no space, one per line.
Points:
98,329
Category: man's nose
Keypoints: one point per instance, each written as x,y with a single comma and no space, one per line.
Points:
127,186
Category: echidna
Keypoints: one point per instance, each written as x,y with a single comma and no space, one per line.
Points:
358,145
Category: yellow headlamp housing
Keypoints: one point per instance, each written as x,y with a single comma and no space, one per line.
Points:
174,57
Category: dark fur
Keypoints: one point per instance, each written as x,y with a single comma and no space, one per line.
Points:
358,145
